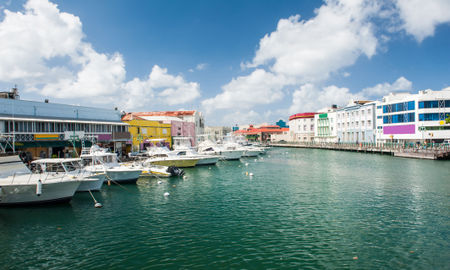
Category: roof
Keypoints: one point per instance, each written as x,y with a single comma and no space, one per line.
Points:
265,129
302,115
139,115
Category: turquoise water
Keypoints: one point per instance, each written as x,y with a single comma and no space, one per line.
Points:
302,209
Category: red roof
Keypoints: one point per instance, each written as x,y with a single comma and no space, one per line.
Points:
265,129
138,115
302,115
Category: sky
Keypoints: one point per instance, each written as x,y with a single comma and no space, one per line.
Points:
237,61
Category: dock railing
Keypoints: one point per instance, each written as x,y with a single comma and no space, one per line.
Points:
435,150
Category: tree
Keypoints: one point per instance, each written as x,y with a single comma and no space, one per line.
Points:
447,120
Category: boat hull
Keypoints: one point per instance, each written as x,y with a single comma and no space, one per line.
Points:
94,184
208,160
123,176
25,194
180,163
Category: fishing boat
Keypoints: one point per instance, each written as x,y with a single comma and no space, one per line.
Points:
19,186
163,156
226,152
98,160
72,167
202,159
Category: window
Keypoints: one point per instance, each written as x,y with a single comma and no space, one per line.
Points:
399,118
432,116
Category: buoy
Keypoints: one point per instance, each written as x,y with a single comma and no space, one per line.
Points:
210,167
166,194
256,160
246,173
109,182
160,182
39,188
174,186
251,174
185,177
98,205
246,164
355,258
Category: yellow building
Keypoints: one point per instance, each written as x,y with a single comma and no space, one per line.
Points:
146,132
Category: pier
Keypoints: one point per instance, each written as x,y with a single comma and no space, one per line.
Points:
433,152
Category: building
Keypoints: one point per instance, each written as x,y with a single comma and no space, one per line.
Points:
216,133
145,133
301,127
356,122
262,133
404,117
284,136
281,124
50,130
179,131
325,126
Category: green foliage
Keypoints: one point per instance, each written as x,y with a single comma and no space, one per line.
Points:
447,120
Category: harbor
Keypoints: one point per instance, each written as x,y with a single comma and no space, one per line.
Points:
302,208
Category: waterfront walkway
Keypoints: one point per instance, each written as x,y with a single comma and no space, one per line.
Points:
409,151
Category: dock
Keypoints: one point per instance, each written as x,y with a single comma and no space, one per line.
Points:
433,153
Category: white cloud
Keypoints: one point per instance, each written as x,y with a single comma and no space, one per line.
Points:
309,98
201,66
420,18
260,87
300,52
44,49
160,87
379,90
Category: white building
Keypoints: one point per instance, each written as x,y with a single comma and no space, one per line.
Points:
356,122
301,127
404,117
325,130
280,137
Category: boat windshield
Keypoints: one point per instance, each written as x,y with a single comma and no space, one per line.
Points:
72,166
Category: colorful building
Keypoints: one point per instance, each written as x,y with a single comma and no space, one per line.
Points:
190,119
145,133
404,117
325,126
262,134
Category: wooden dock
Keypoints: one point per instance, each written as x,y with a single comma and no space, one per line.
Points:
397,151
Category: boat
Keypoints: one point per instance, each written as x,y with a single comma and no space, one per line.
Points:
151,170
163,156
19,186
72,167
202,159
226,151
98,160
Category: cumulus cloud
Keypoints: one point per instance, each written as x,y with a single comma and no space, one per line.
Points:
300,52
159,87
45,50
310,98
260,87
381,89
420,18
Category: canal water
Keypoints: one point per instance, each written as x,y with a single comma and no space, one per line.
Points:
301,209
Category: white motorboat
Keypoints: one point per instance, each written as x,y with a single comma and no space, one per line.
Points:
163,156
202,159
98,160
19,186
226,152
72,167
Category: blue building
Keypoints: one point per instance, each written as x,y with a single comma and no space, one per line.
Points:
48,129
281,124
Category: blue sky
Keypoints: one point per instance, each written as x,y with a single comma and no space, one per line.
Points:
237,61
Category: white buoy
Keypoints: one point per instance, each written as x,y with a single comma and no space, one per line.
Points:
160,182
251,174
166,194
185,177
98,205
210,167
246,164
256,160
39,188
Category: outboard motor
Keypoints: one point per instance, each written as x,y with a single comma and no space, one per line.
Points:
175,171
